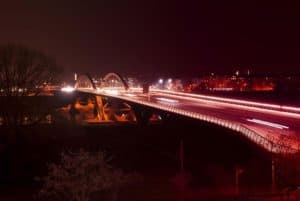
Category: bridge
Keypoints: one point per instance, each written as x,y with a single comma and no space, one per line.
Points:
276,128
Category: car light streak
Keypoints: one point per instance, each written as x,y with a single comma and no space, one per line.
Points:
130,95
244,102
232,105
111,91
167,100
267,123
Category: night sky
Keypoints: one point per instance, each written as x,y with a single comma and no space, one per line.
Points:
152,38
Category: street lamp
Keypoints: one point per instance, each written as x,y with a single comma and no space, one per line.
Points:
238,171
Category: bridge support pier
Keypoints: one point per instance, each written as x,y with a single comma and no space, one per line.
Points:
111,110
142,114
100,109
73,112
165,116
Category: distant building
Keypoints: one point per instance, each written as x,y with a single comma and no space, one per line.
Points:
235,82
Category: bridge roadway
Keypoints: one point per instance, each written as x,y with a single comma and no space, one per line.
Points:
274,127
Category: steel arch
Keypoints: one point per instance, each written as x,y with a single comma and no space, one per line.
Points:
85,75
119,77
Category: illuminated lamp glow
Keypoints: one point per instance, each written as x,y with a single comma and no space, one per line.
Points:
68,89
267,123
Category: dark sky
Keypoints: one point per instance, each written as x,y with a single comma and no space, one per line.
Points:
176,38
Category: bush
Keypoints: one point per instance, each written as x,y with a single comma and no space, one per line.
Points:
80,175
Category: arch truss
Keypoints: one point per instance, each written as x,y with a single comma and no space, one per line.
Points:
114,80
85,81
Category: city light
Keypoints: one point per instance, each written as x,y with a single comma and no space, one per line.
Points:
160,81
169,80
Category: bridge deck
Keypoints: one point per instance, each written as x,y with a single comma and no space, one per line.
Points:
270,127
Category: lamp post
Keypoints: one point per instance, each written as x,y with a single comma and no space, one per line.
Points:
182,174
273,175
238,171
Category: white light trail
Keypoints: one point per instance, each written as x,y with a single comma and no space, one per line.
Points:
111,91
130,95
267,123
232,105
167,100
231,100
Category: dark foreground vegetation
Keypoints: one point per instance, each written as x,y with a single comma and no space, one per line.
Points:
148,156
211,156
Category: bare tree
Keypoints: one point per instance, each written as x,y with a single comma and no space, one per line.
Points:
80,175
24,73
